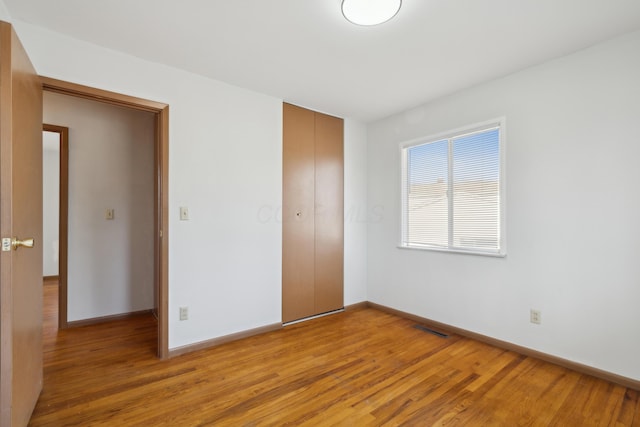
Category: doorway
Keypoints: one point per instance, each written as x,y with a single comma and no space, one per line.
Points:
160,190
55,167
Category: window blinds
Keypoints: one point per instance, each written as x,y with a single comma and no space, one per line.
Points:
451,198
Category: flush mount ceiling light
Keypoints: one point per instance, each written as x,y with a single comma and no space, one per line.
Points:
370,12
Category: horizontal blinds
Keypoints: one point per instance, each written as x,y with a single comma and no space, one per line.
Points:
453,192
427,191
476,189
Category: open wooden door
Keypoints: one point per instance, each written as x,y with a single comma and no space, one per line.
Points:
20,220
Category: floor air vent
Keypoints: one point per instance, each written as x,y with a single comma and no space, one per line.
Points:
431,331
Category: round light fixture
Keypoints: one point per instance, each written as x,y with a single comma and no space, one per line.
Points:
370,12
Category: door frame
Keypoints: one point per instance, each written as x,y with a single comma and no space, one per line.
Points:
63,220
161,190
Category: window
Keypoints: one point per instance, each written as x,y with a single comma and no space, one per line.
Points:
452,196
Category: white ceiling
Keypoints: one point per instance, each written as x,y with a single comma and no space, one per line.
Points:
305,52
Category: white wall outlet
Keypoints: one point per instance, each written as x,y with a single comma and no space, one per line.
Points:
184,313
536,316
109,213
184,213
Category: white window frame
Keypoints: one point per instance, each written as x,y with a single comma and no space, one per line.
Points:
456,133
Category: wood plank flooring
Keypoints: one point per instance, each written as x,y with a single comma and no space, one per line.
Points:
359,368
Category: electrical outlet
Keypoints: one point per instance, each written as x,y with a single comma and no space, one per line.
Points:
536,316
184,313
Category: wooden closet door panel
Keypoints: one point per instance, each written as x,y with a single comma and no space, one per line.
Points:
329,224
298,284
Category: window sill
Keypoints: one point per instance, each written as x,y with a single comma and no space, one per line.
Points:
455,251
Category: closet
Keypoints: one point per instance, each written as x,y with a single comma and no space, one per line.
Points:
312,213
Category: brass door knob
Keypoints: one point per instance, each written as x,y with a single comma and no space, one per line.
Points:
26,243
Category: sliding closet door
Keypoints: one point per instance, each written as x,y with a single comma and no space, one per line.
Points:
298,231
312,219
329,219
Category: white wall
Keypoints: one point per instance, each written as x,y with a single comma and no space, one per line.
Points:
355,212
4,13
50,202
573,133
225,164
110,262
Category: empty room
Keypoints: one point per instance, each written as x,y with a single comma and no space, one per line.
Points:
337,212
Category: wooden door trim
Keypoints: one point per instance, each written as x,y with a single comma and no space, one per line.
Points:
63,221
161,196
114,98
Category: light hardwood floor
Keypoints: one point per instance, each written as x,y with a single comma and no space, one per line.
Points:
359,368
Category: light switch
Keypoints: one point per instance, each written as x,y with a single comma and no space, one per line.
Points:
184,213
109,213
